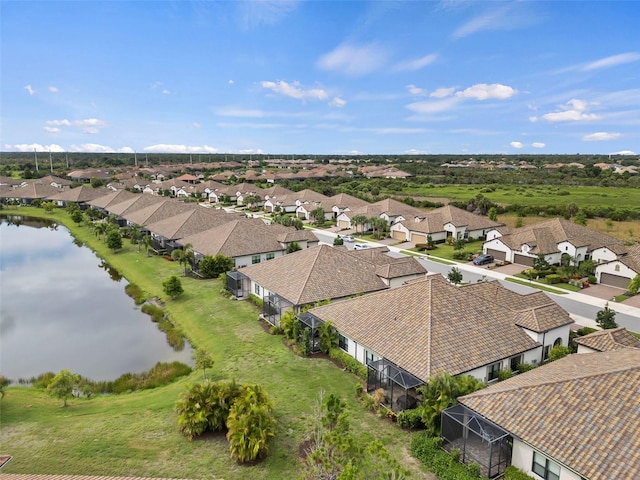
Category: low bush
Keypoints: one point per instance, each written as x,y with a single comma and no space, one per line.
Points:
505,374
135,292
257,301
592,279
410,419
348,362
513,473
155,312
524,367
161,374
553,279
462,255
429,451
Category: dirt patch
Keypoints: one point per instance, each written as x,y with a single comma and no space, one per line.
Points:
4,459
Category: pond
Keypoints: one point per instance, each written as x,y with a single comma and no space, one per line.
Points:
62,307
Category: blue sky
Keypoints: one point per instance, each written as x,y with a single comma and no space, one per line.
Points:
323,77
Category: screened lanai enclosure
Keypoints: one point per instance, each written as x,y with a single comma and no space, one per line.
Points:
238,284
399,386
273,306
478,440
312,323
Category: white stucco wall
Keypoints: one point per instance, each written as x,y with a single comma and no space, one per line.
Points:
245,261
492,234
622,270
522,458
496,244
602,255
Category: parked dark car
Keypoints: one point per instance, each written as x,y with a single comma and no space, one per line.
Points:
483,259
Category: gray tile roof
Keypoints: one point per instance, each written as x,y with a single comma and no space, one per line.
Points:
80,194
159,211
582,410
607,340
344,200
430,326
435,220
112,199
140,201
316,274
190,222
32,191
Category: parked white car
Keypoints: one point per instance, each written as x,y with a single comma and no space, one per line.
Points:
360,246
348,238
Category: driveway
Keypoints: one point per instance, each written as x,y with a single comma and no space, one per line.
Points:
605,292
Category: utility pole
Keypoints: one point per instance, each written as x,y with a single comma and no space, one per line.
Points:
50,161
66,156
36,155
135,158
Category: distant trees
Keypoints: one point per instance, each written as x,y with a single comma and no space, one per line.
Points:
4,383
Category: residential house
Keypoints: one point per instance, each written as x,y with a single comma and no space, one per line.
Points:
607,340
392,211
429,326
139,201
30,192
79,195
551,238
343,202
572,419
394,271
104,202
53,181
441,223
618,272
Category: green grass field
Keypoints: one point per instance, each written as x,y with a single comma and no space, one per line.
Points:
136,434
527,195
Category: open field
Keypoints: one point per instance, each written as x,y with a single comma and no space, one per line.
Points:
526,195
136,434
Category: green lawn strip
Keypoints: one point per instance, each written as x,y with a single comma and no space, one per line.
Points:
535,285
136,434
564,286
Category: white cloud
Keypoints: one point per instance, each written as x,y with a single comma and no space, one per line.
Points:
53,89
482,91
171,148
294,90
87,125
624,152
91,148
508,16
166,92
24,147
538,145
612,61
573,111
51,129
442,92
338,102
60,123
413,151
413,90
251,151
195,125
29,89
126,150
240,112
231,82
433,106
600,137
416,64
516,144
354,60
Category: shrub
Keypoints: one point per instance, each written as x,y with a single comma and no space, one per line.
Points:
348,362
155,312
410,419
553,279
461,255
504,374
135,292
429,451
514,473
586,331
524,367
257,301
592,279
359,389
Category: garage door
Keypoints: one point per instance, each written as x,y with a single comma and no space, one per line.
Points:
614,280
523,260
497,254
398,235
343,223
418,238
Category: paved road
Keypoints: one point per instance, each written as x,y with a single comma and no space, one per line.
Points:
582,308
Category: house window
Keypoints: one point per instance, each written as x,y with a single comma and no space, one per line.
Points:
257,289
514,362
343,342
255,259
369,357
545,468
617,268
271,256
492,371
545,352
558,342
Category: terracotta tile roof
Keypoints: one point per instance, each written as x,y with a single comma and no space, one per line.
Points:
582,410
112,199
536,311
190,223
80,194
544,237
430,326
607,340
315,274
237,238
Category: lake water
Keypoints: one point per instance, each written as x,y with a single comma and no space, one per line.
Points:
61,308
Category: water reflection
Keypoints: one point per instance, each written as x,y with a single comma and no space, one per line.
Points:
57,310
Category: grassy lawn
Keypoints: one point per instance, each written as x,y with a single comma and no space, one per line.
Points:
537,285
621,197
446,252
564,286
136,434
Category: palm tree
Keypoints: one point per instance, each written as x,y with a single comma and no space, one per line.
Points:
100,228
185,255
251,425
358,220
147,241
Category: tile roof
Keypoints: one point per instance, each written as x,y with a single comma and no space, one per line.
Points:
435,220
390,267
582,410
344,200
112,199
32,191
190,223
80,194
536,311
159,211
607,340
140,201
430,326
238,238
316,274
632,258
544,237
